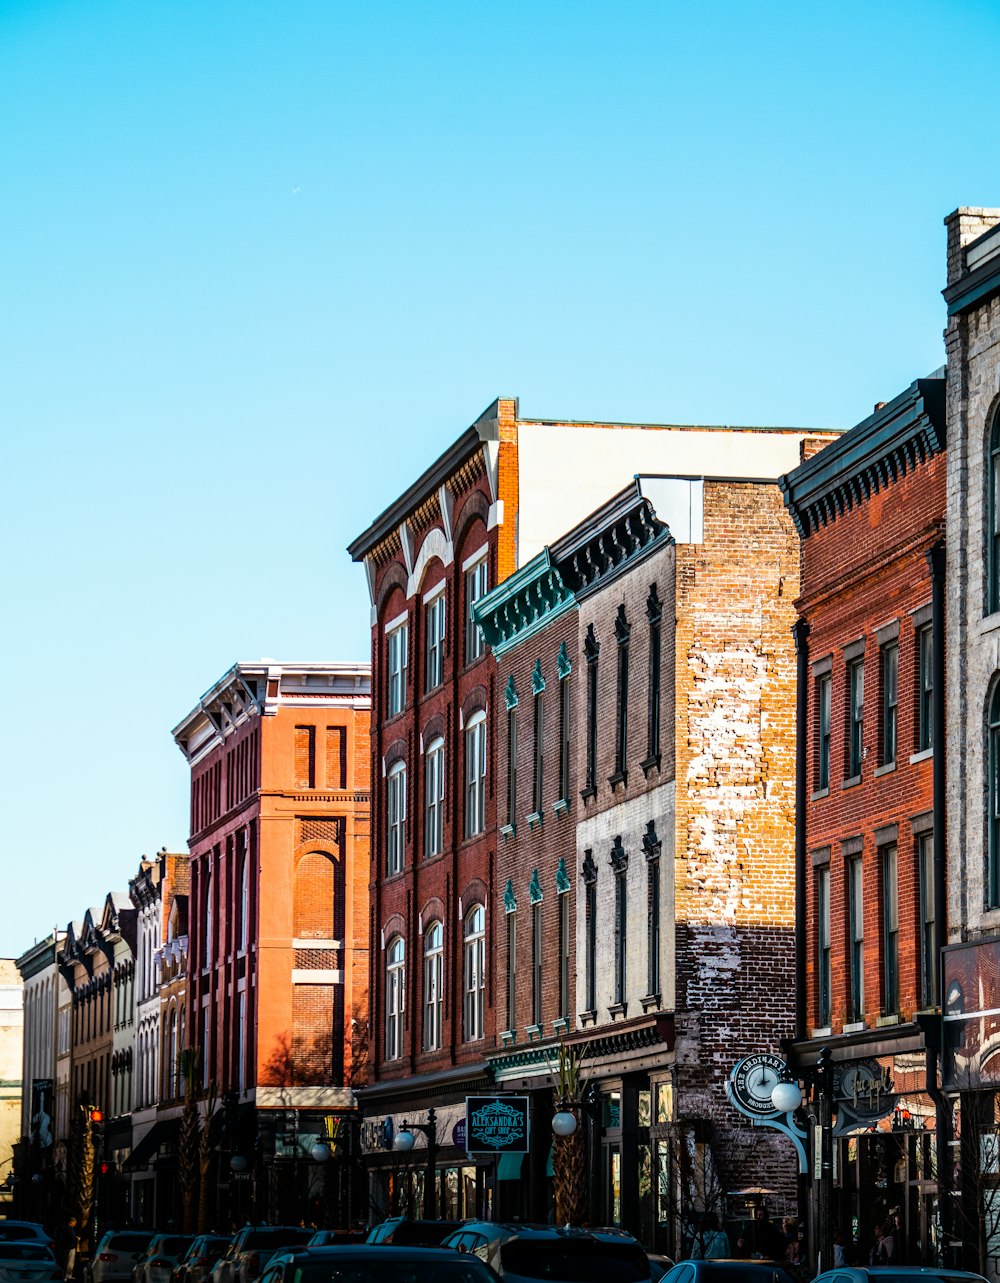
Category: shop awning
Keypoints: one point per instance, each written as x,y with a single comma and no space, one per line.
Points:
160,1133
509,1167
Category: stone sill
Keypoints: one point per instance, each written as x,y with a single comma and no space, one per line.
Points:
825,1032
508,831
619,777
853,782
855,1027
561,1026
618,1010
587,1018
881,1022
534,820
534,1033
587,793
884,770
508,1038
561,806
922,756
820,793
649,764
650,1002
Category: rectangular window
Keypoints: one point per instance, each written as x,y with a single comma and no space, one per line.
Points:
928,921
925,690
434,624
539,722
305,757
856,938
433,993
512,768
434,799
654,613
511,970
536,964
397,643
475,776
621,938
890,698
824,692
475,588
564,948
622,633
653,930
590,906
564,744
855,716
592,650
890,930
823,946
395,818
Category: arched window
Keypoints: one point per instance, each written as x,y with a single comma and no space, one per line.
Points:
395,818
474,975
993,509
434,798
433,985
395,997
206,957
475,775
244,901
993,860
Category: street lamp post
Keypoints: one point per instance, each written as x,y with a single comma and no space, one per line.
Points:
403,1143
787,1097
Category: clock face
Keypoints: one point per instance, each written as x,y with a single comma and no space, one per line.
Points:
751,1083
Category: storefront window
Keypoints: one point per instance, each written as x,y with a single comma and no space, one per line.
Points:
665,1102
613,1109
615,1184
644,1108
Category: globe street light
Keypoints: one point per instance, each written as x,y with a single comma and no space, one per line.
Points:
403,1142
786,1096
564,1123
320,1152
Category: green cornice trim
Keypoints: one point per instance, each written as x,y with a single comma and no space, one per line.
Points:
563,665
537,678
523,604
509,898
562,877
535,895
510,693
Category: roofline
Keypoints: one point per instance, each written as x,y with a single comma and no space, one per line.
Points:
675,427
482,430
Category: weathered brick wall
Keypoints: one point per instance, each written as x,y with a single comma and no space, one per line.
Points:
861,572
973,654
735,735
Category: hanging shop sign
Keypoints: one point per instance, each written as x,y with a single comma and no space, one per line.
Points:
496,1125
751,1082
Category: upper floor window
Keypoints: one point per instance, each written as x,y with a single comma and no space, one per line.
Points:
856,938
474,975
654,613
622,635
925,689
928,921
512,766
824,694
889,657
244,899
434,798
434,624
565,745
592,650
993,504
993,854
564,954
823,945
206,957
855,716
395,818
619,863
433,985
475,775
539,747
590,929
890,930
397,643
652,847
395,997
512,969
475,587
537,961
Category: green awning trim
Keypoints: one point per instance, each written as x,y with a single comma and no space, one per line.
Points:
509,1167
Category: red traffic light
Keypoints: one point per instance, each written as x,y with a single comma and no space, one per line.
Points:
105,1168
97,1116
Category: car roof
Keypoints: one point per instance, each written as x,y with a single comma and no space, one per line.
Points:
364,1251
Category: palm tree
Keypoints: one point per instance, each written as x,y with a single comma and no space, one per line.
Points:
188,1147
81,1174
205,1154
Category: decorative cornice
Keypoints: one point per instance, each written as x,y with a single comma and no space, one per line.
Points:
510,693
562,877
610,540
563,665
524,603
588,869
509,898
535,895
619,857
651,844
537,678
872,455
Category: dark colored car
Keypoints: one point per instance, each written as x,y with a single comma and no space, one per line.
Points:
252,1248
23,1232
897,1274
397,1231
375,1265
27,1263
196,1263
337,1238
572,1256
727,1272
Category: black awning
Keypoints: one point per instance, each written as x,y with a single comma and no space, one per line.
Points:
162,1132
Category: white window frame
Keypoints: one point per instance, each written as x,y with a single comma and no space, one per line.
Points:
475,775
434,629
474,974
395,997
395,818
476,582
434,798
433,986
397,643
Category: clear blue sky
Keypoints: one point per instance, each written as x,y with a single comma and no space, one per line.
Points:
261,262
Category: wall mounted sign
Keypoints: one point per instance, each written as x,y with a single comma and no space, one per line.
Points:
751,1082
496,1125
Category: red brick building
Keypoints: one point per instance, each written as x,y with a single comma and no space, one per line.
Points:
278,915
870,869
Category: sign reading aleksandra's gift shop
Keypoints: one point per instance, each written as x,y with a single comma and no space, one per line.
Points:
496,1124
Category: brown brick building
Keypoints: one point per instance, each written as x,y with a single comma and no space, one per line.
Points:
870,510
278,915
487,505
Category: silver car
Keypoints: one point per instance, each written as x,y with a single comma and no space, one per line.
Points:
28,1263
116,1255
23,1232
156,1265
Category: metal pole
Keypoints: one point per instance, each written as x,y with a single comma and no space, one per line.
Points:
430,1193
800,631
824,1230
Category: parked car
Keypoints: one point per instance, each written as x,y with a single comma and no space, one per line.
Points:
896,1274
398,1231
115,1255
572,1256
156,1265
658,1265
27,1263
367,1264
196,1263
252,1247
23,1232
337,1238
727,1272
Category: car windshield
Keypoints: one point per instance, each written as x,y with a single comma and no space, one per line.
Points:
579,1261
125,1243
275,1236
417,1233
746,1270
357,1269
25,1252
168,1246
15,1231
